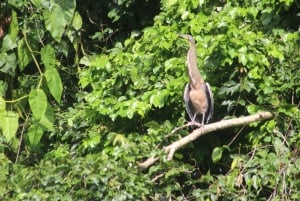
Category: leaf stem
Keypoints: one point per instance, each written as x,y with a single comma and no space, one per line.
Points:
31,52
13,101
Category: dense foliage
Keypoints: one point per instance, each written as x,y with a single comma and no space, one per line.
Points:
91,89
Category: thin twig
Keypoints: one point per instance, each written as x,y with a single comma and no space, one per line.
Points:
189,124
20,143
157,177
234,138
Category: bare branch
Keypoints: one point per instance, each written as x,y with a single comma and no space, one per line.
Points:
147,163
208,128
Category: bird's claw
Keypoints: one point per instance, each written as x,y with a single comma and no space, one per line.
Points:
194,123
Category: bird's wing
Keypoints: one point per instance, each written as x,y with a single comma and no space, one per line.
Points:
188,104
210,100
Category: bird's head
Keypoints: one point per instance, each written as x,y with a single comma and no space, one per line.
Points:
187,37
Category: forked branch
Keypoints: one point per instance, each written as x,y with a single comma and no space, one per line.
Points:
208,128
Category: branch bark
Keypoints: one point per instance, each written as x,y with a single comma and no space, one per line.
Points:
208,128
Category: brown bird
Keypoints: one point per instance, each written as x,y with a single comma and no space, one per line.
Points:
197,94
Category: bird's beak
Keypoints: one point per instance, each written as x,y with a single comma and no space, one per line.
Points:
182,35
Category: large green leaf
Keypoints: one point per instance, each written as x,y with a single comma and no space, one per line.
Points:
67,7
10,40
9,124
77,21
159,98
24,54
35,133
2,105
10,63
47,119
38,103
14,27
55,23
59,17
48,57
217,154
54,83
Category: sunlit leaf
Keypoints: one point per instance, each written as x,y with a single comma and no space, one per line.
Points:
54,83
48,57
35,134
55,22
77,21
9,63
217,154
2,105
24,54
67,8
47,120
9,124
38,103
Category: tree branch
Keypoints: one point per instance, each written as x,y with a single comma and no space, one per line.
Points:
208,128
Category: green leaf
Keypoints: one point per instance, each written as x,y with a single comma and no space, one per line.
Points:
3,88
2,105
8,43
9,124
113,14
40,108
47,119
48,57
10,39
235,162
158,99
120,139
231,178
217,154
67,8
59,17
34,135
55,22
9,63
54,83
24,55
77,21
14,27
36,3
254,73
4,170
38,103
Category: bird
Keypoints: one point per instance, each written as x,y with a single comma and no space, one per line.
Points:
197,95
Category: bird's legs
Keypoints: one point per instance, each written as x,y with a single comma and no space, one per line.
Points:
194,123
202,123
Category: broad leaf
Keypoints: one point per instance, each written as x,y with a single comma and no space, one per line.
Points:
58,17
47,119
10,40
35,133
54,83
217,154
14,27
48,57
24,54
55,23
9,63
77,21
9,124
38,103
2,105
67,8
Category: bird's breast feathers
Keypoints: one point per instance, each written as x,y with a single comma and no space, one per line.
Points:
199,100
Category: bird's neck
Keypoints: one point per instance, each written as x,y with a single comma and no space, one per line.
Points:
194,74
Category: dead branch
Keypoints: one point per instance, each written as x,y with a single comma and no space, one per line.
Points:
208,128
